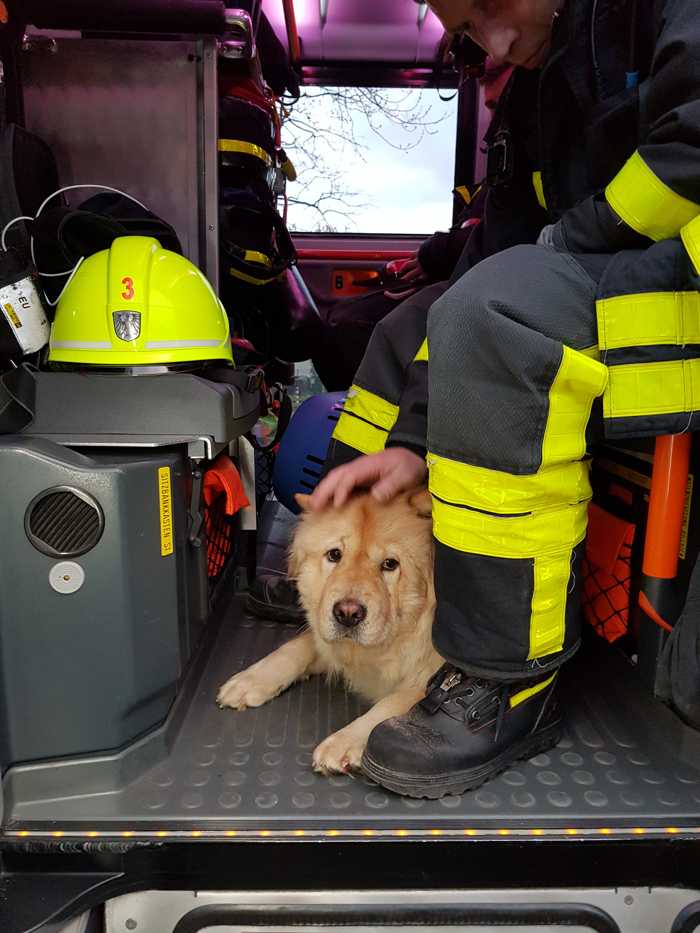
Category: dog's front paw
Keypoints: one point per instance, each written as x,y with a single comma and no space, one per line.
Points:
339,753
246,689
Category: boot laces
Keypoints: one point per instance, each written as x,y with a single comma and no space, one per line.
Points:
451,683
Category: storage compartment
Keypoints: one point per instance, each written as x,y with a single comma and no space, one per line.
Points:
98,596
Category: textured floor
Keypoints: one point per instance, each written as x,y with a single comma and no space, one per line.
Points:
624,761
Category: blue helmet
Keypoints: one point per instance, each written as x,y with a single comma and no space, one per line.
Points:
303,448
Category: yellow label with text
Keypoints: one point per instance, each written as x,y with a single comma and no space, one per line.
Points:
166,511
12,315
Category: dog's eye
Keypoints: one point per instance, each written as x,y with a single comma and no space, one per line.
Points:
390,564
334,555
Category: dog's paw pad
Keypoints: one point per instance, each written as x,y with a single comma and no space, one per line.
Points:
243,691
338,754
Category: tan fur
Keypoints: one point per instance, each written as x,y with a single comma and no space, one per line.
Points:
388,657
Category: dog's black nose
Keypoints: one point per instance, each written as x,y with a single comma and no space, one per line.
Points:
349,612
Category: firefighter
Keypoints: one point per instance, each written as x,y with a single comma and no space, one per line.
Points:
602,313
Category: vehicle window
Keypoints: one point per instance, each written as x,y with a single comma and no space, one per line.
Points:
370,160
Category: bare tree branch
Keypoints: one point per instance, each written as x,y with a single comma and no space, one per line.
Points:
319,135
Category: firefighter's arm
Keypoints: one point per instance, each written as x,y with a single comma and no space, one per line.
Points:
657,192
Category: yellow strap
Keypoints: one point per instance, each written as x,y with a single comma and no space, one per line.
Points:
690,234
365,421
523,695
647,204
239,145
647,320
252,255
539,190
422,355
464,193
250,278
579,380
652,389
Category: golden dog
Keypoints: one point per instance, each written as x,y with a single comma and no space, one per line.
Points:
365,578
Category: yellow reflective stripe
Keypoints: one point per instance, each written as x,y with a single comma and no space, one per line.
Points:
252,255
250,278
548,608
652,389
523,695
464,193
547,532
647,320
359,435
646,203
239,145
690,234
539,190
578,381
365,421
505,493
371,407
422,354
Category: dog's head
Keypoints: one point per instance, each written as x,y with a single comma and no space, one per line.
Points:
364,571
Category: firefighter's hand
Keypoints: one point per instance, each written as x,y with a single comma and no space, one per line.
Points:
385,474
412,271
409,278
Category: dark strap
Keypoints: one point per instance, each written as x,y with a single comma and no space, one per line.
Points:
245,378
17,397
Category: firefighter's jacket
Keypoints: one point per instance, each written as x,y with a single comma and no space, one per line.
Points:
615,166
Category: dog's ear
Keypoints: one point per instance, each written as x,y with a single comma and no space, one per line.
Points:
302,500
422,503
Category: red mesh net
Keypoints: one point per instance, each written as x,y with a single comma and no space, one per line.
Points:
218,531
607,573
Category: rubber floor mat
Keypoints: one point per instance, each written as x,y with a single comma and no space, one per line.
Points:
625,761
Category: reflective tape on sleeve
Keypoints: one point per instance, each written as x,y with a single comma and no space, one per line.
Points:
646,204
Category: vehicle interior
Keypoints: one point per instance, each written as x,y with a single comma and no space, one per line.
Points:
123,783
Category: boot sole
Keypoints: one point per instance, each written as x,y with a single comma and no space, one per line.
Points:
442,784
265,610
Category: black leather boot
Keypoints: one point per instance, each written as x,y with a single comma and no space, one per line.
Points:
274,597
465,731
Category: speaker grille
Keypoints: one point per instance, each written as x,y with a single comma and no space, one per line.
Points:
64,522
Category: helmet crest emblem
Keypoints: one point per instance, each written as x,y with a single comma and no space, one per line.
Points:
127,324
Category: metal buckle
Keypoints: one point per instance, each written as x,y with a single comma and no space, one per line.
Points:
499,160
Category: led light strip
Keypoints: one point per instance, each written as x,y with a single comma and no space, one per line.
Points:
451,834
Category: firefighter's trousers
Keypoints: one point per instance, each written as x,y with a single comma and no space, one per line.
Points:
512,368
